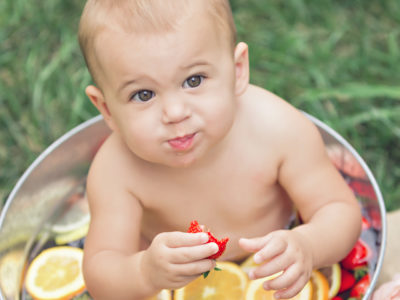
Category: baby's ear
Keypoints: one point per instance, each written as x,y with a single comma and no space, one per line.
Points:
241,68
97,98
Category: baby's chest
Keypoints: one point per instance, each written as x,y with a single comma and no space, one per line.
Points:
232,200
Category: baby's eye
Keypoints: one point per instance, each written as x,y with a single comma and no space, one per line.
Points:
143,96
193,81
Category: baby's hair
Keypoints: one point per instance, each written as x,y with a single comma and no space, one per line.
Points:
145,16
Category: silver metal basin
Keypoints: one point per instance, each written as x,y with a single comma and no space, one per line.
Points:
41,193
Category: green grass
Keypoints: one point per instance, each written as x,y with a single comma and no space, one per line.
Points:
337,60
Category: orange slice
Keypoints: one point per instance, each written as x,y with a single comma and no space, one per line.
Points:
229,283
56,273
320,286
255,291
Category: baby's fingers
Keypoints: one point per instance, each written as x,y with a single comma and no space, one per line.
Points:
195,253
196,268
182,239
287,278
254,244
289,284
269,268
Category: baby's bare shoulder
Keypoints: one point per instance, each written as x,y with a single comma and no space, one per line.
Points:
112,154
112,166
274,118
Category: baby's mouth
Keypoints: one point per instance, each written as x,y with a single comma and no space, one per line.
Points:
183,142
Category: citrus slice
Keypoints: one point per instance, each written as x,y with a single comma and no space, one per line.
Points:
255,291
76,216
55,274
163,295
77,234
333,274
228,283
248,264
11,265
320,286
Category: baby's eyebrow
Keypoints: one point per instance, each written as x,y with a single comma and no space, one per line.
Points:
195,64
125,84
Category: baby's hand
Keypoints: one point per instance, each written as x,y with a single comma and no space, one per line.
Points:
282,250
176,258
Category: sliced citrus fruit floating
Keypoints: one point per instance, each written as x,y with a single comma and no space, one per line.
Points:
320,286
255,291
248,264
56,273
229,283
11,265
74,235
163,295
76,216
333,274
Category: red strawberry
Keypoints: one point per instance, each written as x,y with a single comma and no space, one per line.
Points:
358,256
359,290
347,281
195,228
337,298
365,224
363,189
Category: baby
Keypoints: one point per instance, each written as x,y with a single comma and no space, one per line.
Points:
192,139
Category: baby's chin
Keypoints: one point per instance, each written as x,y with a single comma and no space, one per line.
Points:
178,161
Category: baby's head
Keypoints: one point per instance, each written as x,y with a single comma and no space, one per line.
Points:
152,62
140,17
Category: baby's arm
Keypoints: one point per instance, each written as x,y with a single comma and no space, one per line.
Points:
331,214
114,265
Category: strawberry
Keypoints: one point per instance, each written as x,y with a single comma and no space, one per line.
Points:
358,256
363,189
365,224
337,298
347,281
359,290
195,228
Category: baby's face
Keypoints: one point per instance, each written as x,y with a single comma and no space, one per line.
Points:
170,95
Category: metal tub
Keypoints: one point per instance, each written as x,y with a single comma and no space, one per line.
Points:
40,195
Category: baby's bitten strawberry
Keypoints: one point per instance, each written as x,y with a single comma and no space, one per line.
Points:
195,228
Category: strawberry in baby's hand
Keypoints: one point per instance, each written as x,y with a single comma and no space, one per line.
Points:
195,228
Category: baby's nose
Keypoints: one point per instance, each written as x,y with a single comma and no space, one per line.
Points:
175,110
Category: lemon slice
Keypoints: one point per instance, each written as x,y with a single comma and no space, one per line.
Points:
56,273
76,217
10,269
68,237
333,274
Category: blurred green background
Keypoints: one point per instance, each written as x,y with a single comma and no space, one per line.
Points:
337,60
